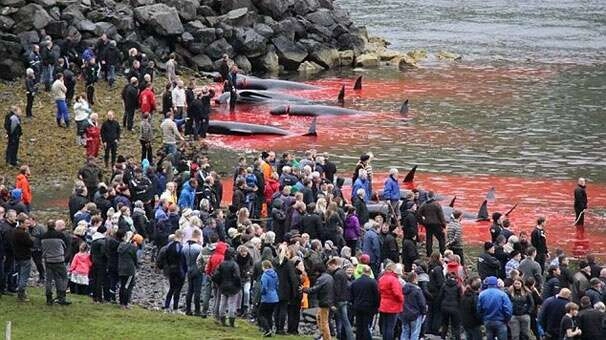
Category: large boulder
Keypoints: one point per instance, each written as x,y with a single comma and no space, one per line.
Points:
201,33
11,65
290,28
309,67
228,5
325,56
187,8
264,30
31,16
289,53
277,9
105,28
162,19
218,48
322,17
202,62
6,23
57,28
12,3
28,38
367,60
249,42
45,3
239,17
346,58
349,41
302,7
72,13
269,62
243,63
86,26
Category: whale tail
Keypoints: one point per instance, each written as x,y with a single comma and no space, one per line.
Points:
341,97
358,83
312,128
404,107
410,176
483,212
452,202
511,210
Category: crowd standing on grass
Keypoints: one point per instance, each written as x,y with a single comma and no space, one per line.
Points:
289,241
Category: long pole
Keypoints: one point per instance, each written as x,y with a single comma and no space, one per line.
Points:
7,333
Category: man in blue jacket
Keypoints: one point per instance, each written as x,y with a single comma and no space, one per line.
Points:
188,194
552,311
495,308
391,191
362,182
371,245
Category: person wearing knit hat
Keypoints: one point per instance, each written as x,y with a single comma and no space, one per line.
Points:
488,265
495,308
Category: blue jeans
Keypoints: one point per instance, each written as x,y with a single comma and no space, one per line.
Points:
411,330
48,74
473,333
111,74
194,287
496,329
388,324
170,148
344,329
62,113
24,267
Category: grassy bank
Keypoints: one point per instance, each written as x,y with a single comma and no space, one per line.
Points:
83,320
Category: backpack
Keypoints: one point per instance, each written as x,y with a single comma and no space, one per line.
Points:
161,260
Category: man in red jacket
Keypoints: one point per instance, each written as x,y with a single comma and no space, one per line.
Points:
147,100
22,182
392,300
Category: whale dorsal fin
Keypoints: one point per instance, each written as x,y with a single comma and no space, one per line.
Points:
358,83
404,107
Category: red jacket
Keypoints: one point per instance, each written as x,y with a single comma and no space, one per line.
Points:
390,291
216,258
81,264
271,187
147,100
22,182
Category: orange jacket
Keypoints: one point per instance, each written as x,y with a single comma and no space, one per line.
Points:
23,183
306,284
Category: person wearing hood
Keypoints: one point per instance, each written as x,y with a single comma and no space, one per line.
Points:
414,310
392,300
496,227
352,230
371,245
22,183
214,261
127,266
227,278
269,297
99,258
495,308
450,301
187,197
364,302
16,202
432,217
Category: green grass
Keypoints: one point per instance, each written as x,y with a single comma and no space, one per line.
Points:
84,320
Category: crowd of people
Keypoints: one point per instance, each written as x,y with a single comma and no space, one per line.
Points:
289,240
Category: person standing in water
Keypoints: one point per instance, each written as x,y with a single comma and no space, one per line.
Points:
580,206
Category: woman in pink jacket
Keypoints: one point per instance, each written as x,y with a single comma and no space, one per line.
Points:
79,270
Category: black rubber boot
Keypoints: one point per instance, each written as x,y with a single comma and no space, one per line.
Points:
49,299
223,321
232,322
61,299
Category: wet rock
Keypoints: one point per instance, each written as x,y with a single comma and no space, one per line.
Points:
417,55
243,63
31,16
275,8
367,60
72,14
267,63
445,55
86,26
346,58
303,7
6,23
249,42
321,17
217,48
105,27
162,19
387,55
12,3
325,56
406,62
264,30
45,3
309,67
289,53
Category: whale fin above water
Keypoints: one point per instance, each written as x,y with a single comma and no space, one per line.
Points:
358,83
404,107
410,176
341,97
312,128
483,212
511,210
452,202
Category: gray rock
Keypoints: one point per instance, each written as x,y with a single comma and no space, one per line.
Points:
105,27
186,8
72,14
289,53
187,38
303,7
202,62
290,28
353,42
228,30
28,38
55,13
325,56
31,16
240,17
11,65
162,19
98,14
138,3
86,26
267,20
65,3
247,41
45,3
275,8
6,23
321,17
56,29
326,4
12,3
268,62
243,63
201,33
123,19
264,30
228,5
342,17
74,34
219,33
211,21
309,67
217,48
8,10
196,48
